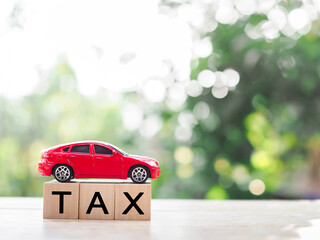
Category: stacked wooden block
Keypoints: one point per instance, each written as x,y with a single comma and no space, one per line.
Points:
103,200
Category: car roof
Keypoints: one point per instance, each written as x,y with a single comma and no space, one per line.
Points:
79,142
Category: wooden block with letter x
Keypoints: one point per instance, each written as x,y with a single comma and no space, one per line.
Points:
96,201
132,201
60,200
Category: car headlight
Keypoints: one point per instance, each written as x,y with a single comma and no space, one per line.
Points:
152,164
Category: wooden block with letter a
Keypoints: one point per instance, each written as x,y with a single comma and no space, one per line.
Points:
60,200
133,201
96,201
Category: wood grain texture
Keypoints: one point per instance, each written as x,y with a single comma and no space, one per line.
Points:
21,218
52,205
89,193
133,201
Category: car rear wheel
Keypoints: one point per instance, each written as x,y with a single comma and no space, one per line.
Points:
139,174
62,173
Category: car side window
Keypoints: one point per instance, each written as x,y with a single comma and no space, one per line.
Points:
81,149
65,149
102,150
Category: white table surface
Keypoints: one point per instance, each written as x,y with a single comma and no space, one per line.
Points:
21,218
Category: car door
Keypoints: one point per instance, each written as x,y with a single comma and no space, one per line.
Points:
106,162
81,158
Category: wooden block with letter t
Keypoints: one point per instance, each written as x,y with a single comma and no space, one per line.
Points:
132,201
96,201
60,200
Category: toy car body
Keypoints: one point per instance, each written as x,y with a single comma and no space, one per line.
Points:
93,159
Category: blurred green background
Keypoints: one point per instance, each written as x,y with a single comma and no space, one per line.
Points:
244,124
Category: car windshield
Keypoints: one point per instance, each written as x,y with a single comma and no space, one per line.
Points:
118,149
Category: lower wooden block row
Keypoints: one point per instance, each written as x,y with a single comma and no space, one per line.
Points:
100,201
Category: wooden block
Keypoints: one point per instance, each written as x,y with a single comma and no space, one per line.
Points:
92,200
96,201
60,200
132,201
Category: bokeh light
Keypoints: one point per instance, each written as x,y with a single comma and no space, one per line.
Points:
177,93
217,192
201,110
185,171
183,155
183,134
203,48
278,17
206,78
221,79
220,92
257,187
232,76
132,116
154,90
150,126
222,165
298,18
194,89
246,7
241,176
226,15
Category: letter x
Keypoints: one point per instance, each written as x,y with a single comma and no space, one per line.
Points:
133,203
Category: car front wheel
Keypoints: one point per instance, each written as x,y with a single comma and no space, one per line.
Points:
62,173
139,174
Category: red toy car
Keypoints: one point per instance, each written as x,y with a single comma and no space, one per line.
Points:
92,159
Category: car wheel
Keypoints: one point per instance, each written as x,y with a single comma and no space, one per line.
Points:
62,173
139,174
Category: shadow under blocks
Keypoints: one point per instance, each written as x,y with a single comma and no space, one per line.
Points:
97,200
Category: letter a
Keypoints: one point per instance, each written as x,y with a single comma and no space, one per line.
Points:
93,205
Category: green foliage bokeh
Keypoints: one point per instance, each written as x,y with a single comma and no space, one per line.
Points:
267,129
